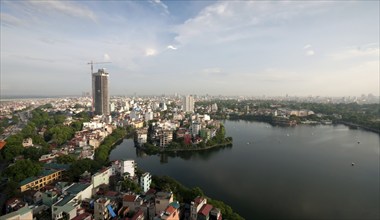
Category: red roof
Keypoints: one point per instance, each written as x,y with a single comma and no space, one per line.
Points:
205,210
82,216
150,191
198,200
170,210
137,215
129,198
111,193
2,144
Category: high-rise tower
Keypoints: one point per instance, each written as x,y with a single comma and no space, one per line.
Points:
100,95
188,103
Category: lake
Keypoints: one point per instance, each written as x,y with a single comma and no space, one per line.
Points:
302,172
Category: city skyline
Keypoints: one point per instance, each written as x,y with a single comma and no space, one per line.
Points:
249,48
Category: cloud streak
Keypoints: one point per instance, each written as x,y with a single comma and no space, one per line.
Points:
65,7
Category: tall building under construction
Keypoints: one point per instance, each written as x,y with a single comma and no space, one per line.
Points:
100,94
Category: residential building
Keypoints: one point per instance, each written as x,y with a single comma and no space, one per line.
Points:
100,92
165,136
195,206
195,128
101,177
104,208
188,104
25,213
128,166
145,181
50,173
162,200
27,142
171,212
133,202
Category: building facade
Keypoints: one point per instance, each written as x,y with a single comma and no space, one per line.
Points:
100,94
145,181
188,104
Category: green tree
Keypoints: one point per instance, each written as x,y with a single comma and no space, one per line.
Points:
22,169
66,159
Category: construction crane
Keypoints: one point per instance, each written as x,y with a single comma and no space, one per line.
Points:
92,65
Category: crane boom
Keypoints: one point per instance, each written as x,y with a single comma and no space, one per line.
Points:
92,65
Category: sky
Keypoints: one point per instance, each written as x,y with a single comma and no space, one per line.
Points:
253,48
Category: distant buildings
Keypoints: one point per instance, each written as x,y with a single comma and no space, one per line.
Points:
100,92
188,104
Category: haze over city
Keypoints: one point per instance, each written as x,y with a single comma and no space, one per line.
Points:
191,47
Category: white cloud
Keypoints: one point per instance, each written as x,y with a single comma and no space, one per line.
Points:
162,5
10,19
307,46
172,47
310,53
223,19
150,52
106,57
66,7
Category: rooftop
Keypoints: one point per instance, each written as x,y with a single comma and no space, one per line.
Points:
205,210
77,188
65,200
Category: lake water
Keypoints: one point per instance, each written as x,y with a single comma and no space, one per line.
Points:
301,172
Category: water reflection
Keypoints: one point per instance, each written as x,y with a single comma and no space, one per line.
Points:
185,155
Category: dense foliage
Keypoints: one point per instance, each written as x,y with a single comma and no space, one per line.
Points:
56,133
364,115
22,169
102,152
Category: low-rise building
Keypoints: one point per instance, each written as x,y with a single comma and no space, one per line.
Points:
25,213
27,142
49,174
162,200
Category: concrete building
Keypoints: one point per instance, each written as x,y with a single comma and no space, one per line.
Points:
128,166
162,200
50,173
27,142
171,212
195,128
25,213
188,104
196,206
100,94
142,136
165,137
101,177
145,181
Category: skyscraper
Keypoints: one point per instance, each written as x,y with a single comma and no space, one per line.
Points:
188,103
100,95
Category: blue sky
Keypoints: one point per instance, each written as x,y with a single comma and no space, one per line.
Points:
191,47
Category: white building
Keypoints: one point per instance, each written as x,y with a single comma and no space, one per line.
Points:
188,104
93,125
112,107
195,128
128,166
148,116
101,177
145,181
23,213
27,142
142,136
